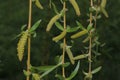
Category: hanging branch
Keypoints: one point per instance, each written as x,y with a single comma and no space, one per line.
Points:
90,41
29,39
64,40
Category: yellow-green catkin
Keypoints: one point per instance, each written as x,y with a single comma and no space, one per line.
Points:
81,33
70,55
59,37
21,45
75,6
103,3
38,4
36,76
52,21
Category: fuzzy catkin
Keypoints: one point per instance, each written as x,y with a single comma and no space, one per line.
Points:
75,6
59,37
52,21
38,4
21,45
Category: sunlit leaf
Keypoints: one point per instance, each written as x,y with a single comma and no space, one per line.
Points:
73,74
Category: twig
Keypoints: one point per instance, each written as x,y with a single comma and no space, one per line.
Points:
29,39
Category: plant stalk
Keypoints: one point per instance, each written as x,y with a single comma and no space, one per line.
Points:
29,39
64,40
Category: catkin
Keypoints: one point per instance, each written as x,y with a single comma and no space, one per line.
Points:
38,4
52,21
21,45
75,6
103,3
59,37
81,33
70,55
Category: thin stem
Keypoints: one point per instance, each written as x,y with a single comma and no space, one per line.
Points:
90,41
29,39
64,40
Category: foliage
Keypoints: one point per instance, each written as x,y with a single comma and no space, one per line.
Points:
9,60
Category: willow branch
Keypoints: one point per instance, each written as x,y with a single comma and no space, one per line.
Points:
64,40
29,39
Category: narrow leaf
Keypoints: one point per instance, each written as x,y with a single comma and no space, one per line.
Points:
104,12
89,27
59,26
69,29
50,70
73,74
60,77
42,68
35,26
86,39
96,70
55,9
80,25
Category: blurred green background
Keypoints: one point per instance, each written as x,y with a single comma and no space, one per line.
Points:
14,14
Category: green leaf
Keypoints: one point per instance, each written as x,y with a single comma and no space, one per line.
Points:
80,25
80,56
104,12
42,68
50,70
60,77
22,27
66,64
86,39
96,70
69,29
73,74
59,26
35,26
26,73
55,9
89,27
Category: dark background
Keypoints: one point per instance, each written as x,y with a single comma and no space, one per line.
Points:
14,13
